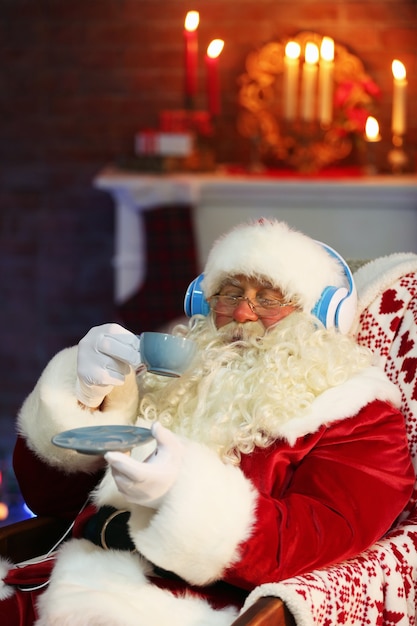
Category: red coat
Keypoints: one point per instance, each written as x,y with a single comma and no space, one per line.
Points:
333,482
322,500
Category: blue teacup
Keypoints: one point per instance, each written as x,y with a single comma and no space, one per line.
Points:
165,354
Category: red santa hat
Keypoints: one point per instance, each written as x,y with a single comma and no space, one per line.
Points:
293,262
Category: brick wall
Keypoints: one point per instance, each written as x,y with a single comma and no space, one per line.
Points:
77,80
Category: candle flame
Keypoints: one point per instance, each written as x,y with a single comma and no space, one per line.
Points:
292,50
311,53
371,128
4,511
215,48
192,20
398,70
327,49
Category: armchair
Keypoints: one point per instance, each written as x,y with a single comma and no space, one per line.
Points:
28,538
380,585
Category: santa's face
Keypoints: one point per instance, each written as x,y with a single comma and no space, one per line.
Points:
246,307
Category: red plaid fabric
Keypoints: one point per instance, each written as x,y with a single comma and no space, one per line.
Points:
171,266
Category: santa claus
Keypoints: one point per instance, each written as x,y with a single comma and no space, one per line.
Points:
269,456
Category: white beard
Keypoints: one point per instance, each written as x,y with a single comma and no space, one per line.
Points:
245,382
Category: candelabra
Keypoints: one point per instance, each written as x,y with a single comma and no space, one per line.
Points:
283,114
372,138
397,157
309,146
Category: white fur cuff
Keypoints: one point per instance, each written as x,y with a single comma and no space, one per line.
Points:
5,590
52,407
197,531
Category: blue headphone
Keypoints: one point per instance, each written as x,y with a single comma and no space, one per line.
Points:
336,306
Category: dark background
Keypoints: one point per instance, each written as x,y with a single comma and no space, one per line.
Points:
77,80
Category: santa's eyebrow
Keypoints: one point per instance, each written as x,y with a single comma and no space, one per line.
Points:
233,282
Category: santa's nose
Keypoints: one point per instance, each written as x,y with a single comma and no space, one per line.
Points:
244,313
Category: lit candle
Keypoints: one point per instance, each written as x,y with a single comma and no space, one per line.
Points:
192,20
309,82
372,129
212,60
399,98
326,81
372,136
291,70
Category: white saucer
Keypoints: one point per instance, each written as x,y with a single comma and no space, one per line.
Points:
102,439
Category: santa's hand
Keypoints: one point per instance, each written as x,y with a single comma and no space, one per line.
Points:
147,483
105,356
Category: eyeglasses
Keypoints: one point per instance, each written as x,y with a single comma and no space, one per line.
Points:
262,307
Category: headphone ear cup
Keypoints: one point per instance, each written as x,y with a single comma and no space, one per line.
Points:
346,311
326,307
194,300
336,306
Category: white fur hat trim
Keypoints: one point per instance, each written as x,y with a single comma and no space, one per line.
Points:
293,262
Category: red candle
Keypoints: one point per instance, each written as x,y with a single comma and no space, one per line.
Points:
191,52
213,87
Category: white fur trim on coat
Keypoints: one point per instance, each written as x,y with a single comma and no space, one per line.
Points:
293,262
199,541
90,586
52,407
342,402
5,590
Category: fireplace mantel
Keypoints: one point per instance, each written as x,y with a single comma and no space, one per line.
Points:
361,217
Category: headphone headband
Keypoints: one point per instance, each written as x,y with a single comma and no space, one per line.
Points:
336,306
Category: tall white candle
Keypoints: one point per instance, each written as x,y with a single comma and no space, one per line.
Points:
309,82
291,72
326,81
399,98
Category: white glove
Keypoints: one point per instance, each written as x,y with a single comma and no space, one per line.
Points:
105,356
147,483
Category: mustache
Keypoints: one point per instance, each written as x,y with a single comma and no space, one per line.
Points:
235,331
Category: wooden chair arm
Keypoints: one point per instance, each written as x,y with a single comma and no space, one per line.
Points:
266,611
31,537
